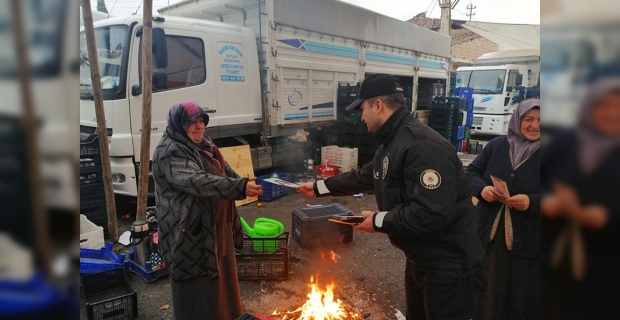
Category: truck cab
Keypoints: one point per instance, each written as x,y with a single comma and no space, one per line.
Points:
495,88
498,80
207,62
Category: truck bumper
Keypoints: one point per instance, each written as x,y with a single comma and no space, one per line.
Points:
124,176
491,124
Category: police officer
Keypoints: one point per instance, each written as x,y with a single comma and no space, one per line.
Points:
425,204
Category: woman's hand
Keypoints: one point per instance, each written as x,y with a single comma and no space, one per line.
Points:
490,194
520,202
253,189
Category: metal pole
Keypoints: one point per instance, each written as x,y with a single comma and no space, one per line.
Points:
147,92
102,131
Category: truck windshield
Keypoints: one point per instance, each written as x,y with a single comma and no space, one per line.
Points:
483,81
111,46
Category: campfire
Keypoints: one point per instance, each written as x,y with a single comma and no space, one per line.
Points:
321,304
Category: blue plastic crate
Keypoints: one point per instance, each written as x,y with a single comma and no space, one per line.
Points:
458,132
465,92
93,260
272,191
28,299
470,119
469,105
148,275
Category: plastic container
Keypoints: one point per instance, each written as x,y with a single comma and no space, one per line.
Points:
465,92
458,132
470,119
27,299
108,295
91,235
147,274
469,105
349,118
93,260
252,265
312,228
271,190
339,157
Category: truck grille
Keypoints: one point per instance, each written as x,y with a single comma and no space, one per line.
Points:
480,108
477,121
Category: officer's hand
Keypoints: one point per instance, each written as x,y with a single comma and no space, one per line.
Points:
253,189
490,194
366,226
307,189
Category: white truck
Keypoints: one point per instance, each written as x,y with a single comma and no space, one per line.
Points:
496,78
261,69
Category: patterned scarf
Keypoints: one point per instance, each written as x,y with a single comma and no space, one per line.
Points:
181,115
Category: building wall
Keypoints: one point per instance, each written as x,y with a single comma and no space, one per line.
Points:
474,48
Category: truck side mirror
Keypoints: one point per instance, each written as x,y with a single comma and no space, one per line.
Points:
160,50
136,90
519,80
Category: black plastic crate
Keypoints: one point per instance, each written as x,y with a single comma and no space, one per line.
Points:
109,295
89,146
90,165
312,228
440,125
264,258
348,138
459,102
344,127
344,88
87,203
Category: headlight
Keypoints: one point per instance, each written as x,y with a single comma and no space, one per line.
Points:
118,178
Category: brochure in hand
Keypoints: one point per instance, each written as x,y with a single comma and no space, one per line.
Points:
501,186
282,182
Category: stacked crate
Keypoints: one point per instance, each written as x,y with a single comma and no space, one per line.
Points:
352,132
347,93
343,158
442,116
92,194
467,94
452,83
427,92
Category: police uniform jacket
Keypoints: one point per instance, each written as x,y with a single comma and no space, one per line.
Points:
423,195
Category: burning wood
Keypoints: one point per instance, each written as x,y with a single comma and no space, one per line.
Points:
321,306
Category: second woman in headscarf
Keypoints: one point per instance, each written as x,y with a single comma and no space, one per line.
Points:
509,225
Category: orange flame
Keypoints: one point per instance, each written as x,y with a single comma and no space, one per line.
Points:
321,305
333,256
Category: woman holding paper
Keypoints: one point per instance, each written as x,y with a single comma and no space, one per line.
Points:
581,210
509,224
195,189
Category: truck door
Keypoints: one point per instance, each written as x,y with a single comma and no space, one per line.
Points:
182,74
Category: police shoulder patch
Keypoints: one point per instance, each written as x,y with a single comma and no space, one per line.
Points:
430,179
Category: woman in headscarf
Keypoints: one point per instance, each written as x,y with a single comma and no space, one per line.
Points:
509,224
195,189
580,176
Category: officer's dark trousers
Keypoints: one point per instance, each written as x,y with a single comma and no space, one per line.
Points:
433,297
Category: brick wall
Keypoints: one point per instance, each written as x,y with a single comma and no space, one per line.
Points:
474,48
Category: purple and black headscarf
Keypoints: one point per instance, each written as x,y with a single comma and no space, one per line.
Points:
181,115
